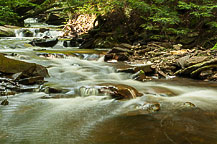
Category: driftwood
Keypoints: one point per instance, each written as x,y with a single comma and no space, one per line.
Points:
197,71
194,70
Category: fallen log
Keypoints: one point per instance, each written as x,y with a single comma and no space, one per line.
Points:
195,69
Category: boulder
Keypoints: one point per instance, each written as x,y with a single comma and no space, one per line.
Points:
22,70
45,42
120,50
141,76
87,44
50,90
27,33
6,32
74,42
119,91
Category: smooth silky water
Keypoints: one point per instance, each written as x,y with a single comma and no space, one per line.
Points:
86,117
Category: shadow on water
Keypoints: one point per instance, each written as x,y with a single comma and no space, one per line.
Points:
181,127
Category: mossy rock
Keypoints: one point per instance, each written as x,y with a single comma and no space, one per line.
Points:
27,33
6,32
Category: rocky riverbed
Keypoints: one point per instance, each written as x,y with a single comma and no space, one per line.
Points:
63,94
163,60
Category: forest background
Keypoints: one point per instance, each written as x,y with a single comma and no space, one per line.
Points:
189,22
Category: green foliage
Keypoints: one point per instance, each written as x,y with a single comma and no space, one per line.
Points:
215,47
160,18
12,10
8,9
212,24
7,16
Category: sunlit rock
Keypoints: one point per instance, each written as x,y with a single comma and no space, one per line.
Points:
119,91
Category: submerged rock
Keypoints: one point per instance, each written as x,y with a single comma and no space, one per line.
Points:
32,80
5,102
142,109
162,91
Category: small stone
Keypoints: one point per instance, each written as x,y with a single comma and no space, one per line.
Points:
189,104
179,52
153,107
177,47
5,102
206,73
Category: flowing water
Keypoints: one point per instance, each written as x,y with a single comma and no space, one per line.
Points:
187,115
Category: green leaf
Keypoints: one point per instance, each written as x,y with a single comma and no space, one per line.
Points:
215,47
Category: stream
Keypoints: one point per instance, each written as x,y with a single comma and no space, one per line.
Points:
83,116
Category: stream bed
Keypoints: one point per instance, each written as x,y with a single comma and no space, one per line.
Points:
187,115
